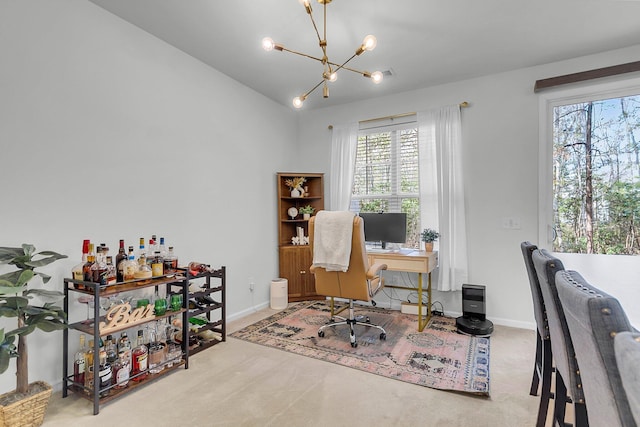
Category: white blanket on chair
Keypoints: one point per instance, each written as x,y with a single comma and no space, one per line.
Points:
332,240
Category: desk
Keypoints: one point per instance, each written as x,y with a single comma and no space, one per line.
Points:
413,262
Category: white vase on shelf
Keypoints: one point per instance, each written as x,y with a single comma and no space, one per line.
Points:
295,193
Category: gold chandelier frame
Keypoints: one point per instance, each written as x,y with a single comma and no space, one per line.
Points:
330,69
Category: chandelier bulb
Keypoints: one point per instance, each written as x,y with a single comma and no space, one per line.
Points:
376,77
268,44
369,43
298,101
333,77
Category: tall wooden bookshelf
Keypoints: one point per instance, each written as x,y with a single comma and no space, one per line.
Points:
295,259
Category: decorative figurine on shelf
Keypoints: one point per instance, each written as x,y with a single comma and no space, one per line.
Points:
295,185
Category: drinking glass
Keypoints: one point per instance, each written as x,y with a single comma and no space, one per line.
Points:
86,299
160,306
176,302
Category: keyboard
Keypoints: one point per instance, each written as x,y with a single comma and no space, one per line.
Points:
379,251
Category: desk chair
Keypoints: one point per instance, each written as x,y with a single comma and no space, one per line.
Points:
359,283
568,382
594,319
543,366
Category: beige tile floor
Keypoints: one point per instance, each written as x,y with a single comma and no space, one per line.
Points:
242,384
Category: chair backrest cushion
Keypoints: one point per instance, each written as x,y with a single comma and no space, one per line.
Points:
594,318
351,284
539,311
561,346
627,351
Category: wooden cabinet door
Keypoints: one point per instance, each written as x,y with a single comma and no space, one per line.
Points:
294,266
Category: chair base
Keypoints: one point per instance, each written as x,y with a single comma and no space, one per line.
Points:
352,321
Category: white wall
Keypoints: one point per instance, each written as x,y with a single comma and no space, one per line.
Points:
107,132
500,139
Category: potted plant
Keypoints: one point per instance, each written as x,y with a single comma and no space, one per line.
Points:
306,211
429,236
33,308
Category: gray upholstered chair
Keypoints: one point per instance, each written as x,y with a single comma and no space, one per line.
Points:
543,366
568,385
627,352
594,318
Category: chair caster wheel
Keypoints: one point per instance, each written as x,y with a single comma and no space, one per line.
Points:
354,344
383,336
321,334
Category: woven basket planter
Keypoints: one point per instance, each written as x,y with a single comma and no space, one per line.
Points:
28,411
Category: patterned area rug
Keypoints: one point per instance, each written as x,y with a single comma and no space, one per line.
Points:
438,357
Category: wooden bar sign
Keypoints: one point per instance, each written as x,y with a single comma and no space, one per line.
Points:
120,316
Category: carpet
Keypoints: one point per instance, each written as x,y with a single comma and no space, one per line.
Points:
437,357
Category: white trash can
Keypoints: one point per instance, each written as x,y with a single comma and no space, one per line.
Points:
279,293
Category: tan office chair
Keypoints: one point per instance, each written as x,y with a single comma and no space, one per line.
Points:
359,283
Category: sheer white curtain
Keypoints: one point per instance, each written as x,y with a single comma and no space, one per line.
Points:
442,192
344,143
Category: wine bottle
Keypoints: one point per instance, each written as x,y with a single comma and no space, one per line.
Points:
79,362
122,255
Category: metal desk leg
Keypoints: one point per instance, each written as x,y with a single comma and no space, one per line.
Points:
423,320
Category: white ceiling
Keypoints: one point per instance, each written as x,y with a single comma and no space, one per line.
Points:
424,42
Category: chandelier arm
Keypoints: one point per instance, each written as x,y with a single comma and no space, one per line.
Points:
314,88
343,66
315,27
302,54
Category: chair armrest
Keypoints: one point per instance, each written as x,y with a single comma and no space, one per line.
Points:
374,269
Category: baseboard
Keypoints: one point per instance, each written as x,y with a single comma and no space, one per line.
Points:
412,308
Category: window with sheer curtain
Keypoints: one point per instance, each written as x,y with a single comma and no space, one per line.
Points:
386,174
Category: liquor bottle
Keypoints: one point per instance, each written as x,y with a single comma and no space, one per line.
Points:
77,271
124,347
121,370
156,354
142,254
162,248
79,362
122,255
88,366
111,349
86,269
140,359
170,261
151,249
105,374
157,265
99,267
129,266
110,275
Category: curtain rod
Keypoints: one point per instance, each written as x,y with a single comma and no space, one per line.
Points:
463,104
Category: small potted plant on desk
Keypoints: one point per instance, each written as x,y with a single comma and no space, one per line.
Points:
428,237
26,405
306,211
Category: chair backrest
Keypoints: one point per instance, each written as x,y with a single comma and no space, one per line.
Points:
539,310
627,351
561,346
594,318
351,284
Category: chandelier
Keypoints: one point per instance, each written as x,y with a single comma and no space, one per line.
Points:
330,69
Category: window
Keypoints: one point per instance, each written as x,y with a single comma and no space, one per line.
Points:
596,174
386,174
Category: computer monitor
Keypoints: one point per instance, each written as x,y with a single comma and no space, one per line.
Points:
387,227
